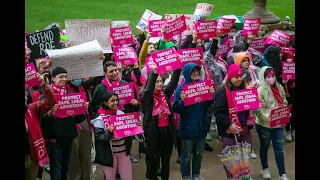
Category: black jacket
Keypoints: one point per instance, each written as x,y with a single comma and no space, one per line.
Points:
188,43
150,123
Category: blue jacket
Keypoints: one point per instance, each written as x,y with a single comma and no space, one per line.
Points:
194,122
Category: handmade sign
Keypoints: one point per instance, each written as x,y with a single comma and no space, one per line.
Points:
288,70
121,36
251,26
191,55
125,55
246,99
279,38
280,116
225,25
126,125
166,60
31,78
146,17
202,11
197,92
71,104
175,27
206,29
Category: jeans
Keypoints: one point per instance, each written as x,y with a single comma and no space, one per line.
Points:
196,147
277,137
60,155
178,145
291,100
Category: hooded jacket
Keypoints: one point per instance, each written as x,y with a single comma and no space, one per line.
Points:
251,74
166,45
268,101
194,122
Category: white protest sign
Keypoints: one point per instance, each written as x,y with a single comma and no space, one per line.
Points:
189,21
84,30
147,15
80,61
116,24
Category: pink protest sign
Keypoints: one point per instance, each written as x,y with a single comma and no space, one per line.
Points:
191,55
125,55
121,35
126,125
125,93
280,116
166,60
230,40
71,104
197,92
225,25
175,27
149,64
206,29
251,26
223,49
288,51
155,26
246,99
278,38
30,78
258,44
288,70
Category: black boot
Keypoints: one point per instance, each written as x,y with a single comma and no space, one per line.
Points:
207,147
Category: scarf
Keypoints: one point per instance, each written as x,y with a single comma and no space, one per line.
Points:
276,94
136,86
58,90
81,89
233,115
160,106
105,114
37,145
107,84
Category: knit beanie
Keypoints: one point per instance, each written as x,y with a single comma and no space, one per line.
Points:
234,71
58,70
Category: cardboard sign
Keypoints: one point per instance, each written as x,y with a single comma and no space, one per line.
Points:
125,93
189,22
38,42
206,29
202,11
31,79
251,26
126,125
246,99
116,24
191,55
225,25
258,44
155,26
71,104
80,31
166,60
288,70
197,92
278,38
146,17
125,55
80,61
121,36
280,116
175,27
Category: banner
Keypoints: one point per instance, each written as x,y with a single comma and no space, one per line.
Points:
146,17
278,38
71,104
225,25
125,93
251,26
189,21
206,29
38,42
191,55
202,11
197,92
155,27
121,36
126,125
288,70
175,27
80,31
246,99
116,24
80,61
258,44
166,60
31,79
125,55
280,116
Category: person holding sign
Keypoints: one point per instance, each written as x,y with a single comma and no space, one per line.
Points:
272,96
194,124
146,50
35,150
229,121
60,131
158,122
111,153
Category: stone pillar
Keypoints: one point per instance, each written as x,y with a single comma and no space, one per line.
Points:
260,10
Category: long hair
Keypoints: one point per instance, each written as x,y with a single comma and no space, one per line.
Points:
231,87
105,98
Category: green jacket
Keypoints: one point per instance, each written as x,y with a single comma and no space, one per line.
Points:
166,45
268,101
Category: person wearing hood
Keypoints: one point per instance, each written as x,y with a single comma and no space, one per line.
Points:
194,124
60,131
35,153
225,112
250,71
158,122
272,95
273,55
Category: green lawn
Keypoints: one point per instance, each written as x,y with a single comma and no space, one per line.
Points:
40,13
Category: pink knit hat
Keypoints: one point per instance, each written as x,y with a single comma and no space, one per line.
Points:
234,71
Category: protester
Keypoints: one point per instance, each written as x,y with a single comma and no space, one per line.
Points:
146,50
193,125
250,71
60,131
272,95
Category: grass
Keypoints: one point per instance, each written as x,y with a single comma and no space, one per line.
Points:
41,13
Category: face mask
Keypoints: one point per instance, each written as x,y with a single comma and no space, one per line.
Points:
77,82
271,81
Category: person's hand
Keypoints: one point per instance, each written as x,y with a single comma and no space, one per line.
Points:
110,128
269,119
102,57
154,67
249,37
180,57
194,36
139,123
140,31
163,30
234,129
134,102
41,78
136,65
148,37
28,51
290,115
260,98
67,44
183,95
110,40
212,91
53,109
119,66
285,81
86,105
289,60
